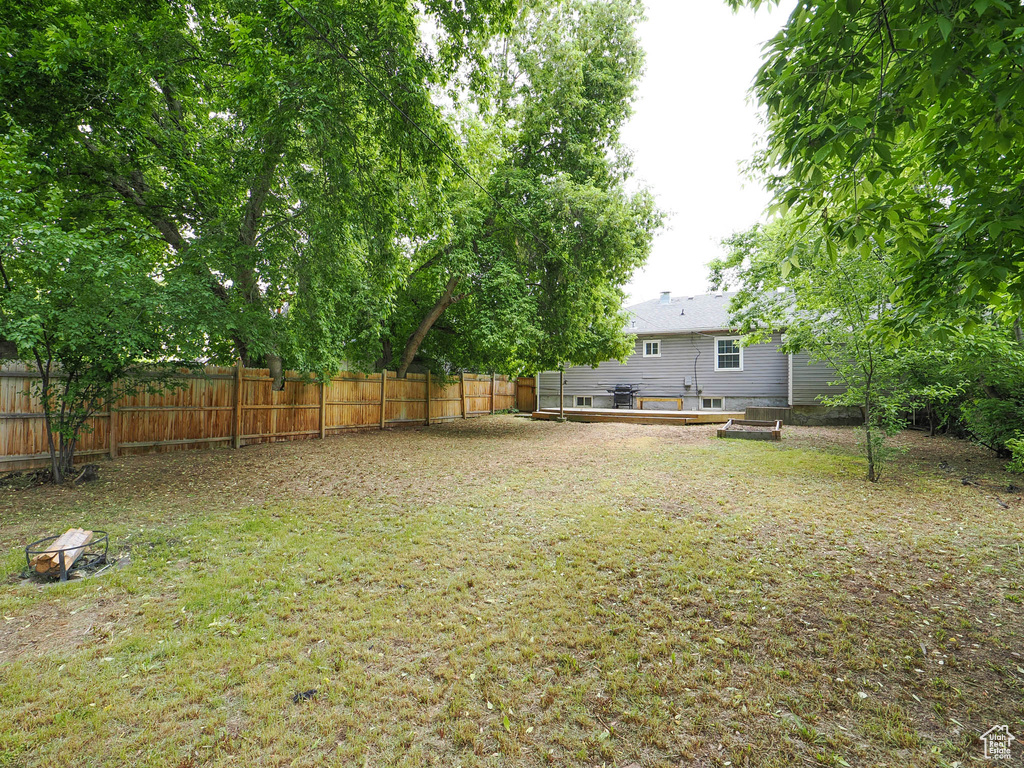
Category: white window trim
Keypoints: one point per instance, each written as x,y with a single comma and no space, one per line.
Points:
577,405
727,338
651,341
713,397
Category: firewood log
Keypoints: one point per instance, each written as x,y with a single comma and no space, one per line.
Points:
74,540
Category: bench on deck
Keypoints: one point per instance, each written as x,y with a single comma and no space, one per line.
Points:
677,400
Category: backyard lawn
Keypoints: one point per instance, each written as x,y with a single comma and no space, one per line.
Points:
501,592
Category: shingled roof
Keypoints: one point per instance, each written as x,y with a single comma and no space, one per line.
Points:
682,314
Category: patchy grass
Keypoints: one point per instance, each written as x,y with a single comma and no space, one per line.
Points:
502,592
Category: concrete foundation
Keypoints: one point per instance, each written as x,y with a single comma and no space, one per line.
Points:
690,403
810,415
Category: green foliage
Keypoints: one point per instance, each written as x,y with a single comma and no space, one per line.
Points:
1015,445
896,128
995,423
833,303
91,306
263,141
245,164
963,374
899,126
281,174
530,271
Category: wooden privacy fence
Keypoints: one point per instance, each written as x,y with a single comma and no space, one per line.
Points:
239,406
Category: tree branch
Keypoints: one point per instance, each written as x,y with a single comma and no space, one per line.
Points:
412,346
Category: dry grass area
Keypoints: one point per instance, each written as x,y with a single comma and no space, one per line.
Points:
503,592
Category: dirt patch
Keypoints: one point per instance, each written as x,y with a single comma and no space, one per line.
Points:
51,628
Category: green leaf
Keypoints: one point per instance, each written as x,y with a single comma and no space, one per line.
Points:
883,151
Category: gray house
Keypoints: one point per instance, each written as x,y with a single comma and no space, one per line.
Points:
688,358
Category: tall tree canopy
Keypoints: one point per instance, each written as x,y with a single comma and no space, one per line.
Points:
267,143
899,125
312,183
306,161
525,269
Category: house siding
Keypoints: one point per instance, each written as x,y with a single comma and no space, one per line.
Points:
809,380
764,379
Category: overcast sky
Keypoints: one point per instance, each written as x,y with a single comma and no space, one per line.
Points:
692,127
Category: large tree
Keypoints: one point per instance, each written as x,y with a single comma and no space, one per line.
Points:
87,300
900,125
531,248
270,145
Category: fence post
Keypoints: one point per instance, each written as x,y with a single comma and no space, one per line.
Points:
492,393
112,429
323,409
383,396
462,389
236,431
428,398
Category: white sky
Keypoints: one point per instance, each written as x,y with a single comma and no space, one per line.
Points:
693,125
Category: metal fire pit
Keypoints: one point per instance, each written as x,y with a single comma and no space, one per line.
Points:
91,554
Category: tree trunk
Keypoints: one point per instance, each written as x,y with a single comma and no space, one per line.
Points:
276,366
869,436
56,476
67,458
246,279
412,346
387,355
871,454
44,377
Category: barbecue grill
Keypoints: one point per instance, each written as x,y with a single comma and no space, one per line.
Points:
622,395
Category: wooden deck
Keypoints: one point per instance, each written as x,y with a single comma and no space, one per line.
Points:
637,416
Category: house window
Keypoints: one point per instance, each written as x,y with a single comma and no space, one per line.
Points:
652,348
712,403
728,354
584,401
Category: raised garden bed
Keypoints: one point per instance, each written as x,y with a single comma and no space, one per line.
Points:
751,429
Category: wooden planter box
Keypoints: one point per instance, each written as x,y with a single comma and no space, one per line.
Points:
751,429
